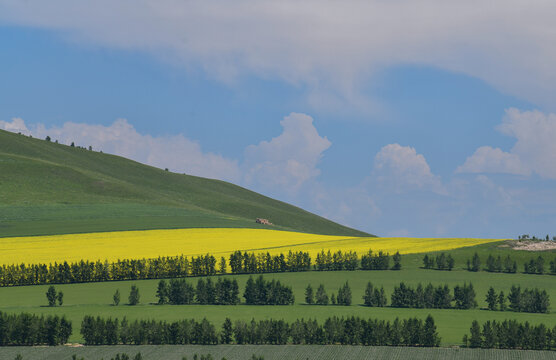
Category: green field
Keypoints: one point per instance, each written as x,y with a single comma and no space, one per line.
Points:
95,298
48,188
272,352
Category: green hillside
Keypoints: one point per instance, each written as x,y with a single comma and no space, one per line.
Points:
48,188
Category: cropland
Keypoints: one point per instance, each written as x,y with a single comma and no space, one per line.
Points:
61,203
273,352
96,298
112,246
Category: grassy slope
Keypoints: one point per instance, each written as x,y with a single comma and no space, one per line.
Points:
272,352
47,188
95,298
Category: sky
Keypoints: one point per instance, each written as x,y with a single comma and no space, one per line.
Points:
399,118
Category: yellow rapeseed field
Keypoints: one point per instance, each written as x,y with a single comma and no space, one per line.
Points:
191,242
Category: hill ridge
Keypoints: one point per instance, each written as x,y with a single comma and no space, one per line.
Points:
49,188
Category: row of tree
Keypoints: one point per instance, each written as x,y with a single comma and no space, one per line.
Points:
321,297
528,300
438,297
207,292
509,334
251,263
30,329
334,330
508,265
182,266
265,292
439,262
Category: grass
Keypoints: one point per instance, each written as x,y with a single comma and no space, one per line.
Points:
95,299
112,246
273,352
49,188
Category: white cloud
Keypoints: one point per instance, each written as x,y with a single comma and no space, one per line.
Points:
534,150
401,169
16,125
288,160
333,47
284,163
535,133
489,160
175,152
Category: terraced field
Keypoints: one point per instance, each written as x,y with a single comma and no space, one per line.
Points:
191,242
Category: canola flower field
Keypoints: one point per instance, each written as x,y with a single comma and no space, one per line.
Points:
112,246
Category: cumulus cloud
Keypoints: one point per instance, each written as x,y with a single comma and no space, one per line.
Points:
288,160
534,150
400,168
175,152
489,160
333,47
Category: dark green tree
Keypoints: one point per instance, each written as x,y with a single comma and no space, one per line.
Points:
491,299
321,296
502,301
60,298
134,296
116,298
397,258
227,332
51,295
430,338
475,339
162,292
309,296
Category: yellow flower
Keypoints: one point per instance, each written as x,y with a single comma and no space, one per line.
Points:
192,242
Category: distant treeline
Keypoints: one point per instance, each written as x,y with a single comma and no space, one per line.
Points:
334,330
509,334
439,262
182,266
493,264
29,329
508,265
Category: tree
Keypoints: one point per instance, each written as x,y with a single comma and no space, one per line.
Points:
309,298
344,295
475,340
321,296
60,298
450,262
134,295
48,138
491,299
426,262
368,297
116,297
51,296
475,263
431,338
397,258
162,292
72,144
502,301
222,269
226,335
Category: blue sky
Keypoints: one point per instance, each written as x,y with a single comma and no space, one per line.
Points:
436,132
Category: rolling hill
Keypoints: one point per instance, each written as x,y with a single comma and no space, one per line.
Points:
48,188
